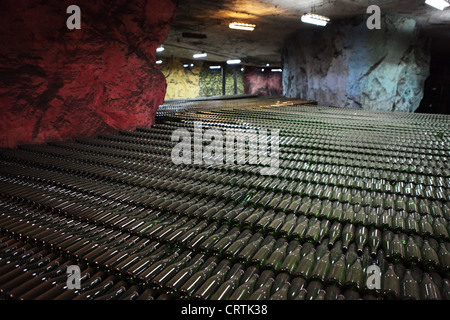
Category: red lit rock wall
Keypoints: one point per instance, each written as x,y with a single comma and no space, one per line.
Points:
265,83
60,84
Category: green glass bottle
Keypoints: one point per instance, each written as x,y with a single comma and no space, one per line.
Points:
337,213
231,253
409,287
412,226
274,227
348,235
251,221
297,284
228,287
209,287
397,253
196,280
246,289
428,289
263,293
430,259
300,229
321,268
288,226
444,259
306,265
439,231
262,224
312,234
446,289
334,234
425,227
337,273
313,290
413,255
361,238
336,252
292,260
372,217
260,257
360,218
204,242
275,260
355,275
390,283
195,243
301,295
250,249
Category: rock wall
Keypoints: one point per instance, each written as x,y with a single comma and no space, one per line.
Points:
346,64
59,84
182,82
265,83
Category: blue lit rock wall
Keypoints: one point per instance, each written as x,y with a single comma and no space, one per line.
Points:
347,65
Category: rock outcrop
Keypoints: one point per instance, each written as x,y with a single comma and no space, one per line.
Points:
265,83
60,84
345,64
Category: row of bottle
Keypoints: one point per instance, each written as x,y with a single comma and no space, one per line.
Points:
289,226
232,243
266,221
289,150
39,274
334,188
325,186
316,137
290,121
291,158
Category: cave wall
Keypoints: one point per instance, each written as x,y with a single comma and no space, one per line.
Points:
60,84
197,80
182,83
345,64
262,83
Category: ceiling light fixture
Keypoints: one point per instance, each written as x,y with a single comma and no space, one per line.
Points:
315,19
200,55
234,61
438,4
185,65
215,67
160,49
242,26
159,62
277,70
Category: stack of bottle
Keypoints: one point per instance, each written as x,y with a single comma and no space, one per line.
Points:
357,191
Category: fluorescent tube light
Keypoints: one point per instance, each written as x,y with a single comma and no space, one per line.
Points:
277,70
215,67
315,19
185,65
159,62
200,55
242,26
160,49
438,4
234,61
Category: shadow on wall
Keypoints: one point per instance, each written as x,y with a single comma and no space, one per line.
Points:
263,83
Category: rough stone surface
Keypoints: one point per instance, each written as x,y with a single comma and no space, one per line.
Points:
346,64
265,83
59,84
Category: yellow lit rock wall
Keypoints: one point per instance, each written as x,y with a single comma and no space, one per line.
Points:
181,82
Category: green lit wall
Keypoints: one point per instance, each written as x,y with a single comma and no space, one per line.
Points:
198,80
